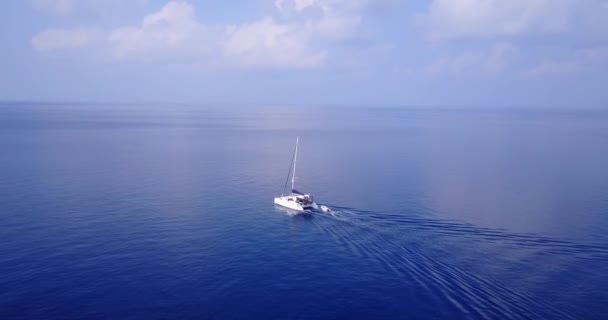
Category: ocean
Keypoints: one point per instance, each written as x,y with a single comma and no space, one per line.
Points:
166,212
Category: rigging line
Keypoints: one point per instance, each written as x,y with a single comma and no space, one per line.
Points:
295,160
289,172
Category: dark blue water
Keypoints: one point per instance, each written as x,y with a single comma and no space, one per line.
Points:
147,212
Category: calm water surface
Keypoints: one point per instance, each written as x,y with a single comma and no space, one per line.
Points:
145,212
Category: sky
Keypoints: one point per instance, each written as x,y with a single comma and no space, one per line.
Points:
482,53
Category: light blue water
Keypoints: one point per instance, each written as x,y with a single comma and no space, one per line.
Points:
142,212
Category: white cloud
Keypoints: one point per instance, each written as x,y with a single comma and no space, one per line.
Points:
595,55
175,32
554,67
494,60
56,7
334,27
331,6
303,4
105,8
551,23
450,19
582,61
333,20
171,31
266,43
54,39
287,6
298,34
285,41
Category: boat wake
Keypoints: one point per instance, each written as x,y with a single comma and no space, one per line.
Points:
482,273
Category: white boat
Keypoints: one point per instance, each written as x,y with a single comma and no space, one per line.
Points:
295,200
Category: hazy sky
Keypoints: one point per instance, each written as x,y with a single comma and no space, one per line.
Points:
366,52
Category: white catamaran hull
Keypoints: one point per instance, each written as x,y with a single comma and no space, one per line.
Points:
290,204
295,202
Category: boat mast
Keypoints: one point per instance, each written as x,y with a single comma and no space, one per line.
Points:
295,159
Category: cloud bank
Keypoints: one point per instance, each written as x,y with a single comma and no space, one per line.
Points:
454,19
457,37
296,35
54,39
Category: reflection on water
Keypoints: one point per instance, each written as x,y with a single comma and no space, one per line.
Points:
527,175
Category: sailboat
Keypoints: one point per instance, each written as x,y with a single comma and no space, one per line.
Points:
295,200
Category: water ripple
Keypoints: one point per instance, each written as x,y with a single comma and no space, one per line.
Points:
379,238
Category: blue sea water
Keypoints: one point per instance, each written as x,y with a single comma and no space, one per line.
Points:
166,212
